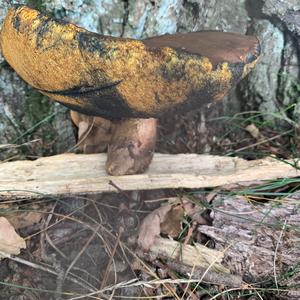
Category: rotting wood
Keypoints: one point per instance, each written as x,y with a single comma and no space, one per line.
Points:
254,242
85,174
191,255
260,241
195,261
206,275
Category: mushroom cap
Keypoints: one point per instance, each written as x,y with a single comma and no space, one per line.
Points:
119,77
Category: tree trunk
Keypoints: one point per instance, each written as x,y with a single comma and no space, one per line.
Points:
271,87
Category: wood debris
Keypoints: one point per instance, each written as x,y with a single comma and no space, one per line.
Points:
85,174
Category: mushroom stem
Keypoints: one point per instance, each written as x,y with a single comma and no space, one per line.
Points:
132,146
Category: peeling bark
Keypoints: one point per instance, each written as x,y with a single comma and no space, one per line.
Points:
260,241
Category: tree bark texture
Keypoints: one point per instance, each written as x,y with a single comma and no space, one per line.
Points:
26,115
260,240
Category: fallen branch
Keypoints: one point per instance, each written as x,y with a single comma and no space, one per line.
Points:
194,261
85,174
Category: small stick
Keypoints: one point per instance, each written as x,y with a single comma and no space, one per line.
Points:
208,277
111,258
81,251
263,141
42,268
120,190
173,276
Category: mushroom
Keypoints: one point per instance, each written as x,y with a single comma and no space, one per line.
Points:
129,82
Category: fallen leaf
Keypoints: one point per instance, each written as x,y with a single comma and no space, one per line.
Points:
194,212
10,241
94,133
150,226
83,128
254,131
168,219
24,219
172,223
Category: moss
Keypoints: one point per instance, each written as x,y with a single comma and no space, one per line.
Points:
39,111
37,106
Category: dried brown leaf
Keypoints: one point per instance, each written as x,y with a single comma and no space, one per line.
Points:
168,219
194,212
254,131
10,241
94,133
24,219
172,223
83,128
150,227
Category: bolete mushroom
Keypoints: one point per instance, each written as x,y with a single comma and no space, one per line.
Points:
130,82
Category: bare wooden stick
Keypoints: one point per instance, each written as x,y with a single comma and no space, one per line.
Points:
195,261
193,256
85,174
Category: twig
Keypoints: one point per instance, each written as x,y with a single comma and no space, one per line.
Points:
119,285
45,235
111,259
120,190
51,259
82,250
173,276
9,146
187,288
42,268
48,239
205,275
262,142
83,138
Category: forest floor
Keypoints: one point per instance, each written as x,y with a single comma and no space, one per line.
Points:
85,247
